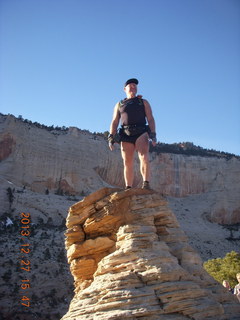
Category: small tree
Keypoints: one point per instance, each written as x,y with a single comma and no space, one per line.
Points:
224,268
10,195
47,254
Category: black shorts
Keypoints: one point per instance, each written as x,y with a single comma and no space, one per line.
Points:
131,139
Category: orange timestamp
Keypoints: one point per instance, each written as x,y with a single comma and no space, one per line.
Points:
25,263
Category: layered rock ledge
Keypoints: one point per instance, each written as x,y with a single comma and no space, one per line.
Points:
131,260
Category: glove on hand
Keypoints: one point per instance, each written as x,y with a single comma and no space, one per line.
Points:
111,139
152,136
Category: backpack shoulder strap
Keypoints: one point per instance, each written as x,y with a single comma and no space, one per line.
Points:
120,104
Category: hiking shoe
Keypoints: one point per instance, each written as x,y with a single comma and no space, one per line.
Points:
146,185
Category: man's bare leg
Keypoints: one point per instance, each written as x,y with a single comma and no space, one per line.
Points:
128,150
142,146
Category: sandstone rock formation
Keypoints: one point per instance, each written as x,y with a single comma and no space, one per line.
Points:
78,162
131,260
71,163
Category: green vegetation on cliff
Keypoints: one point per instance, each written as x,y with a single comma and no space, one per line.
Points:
224,268
185,148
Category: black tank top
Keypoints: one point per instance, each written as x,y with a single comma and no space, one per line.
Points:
132,111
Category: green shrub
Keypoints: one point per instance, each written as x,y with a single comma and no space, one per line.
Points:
224,268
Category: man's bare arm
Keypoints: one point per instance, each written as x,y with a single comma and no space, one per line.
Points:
115,120
114,126
149,116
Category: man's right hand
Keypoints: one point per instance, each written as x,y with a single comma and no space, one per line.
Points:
111,146
111,142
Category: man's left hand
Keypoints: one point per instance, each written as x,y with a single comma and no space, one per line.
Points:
153,138
154,143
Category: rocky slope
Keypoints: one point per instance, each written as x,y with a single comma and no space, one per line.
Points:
131,260
75,162
44,172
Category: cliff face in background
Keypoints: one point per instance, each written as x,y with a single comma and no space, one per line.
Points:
78,162
44,172
131,260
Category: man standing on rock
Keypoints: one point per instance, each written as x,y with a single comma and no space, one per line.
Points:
134,134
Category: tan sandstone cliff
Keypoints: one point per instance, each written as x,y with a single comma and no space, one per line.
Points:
78,162
34,159
131,260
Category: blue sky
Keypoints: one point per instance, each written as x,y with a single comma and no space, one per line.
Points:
64,62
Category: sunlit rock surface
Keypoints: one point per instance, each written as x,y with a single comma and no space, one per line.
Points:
131,260
74,161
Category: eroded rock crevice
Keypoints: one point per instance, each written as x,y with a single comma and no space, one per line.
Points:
133,261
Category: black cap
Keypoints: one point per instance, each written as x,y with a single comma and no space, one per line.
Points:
131,81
